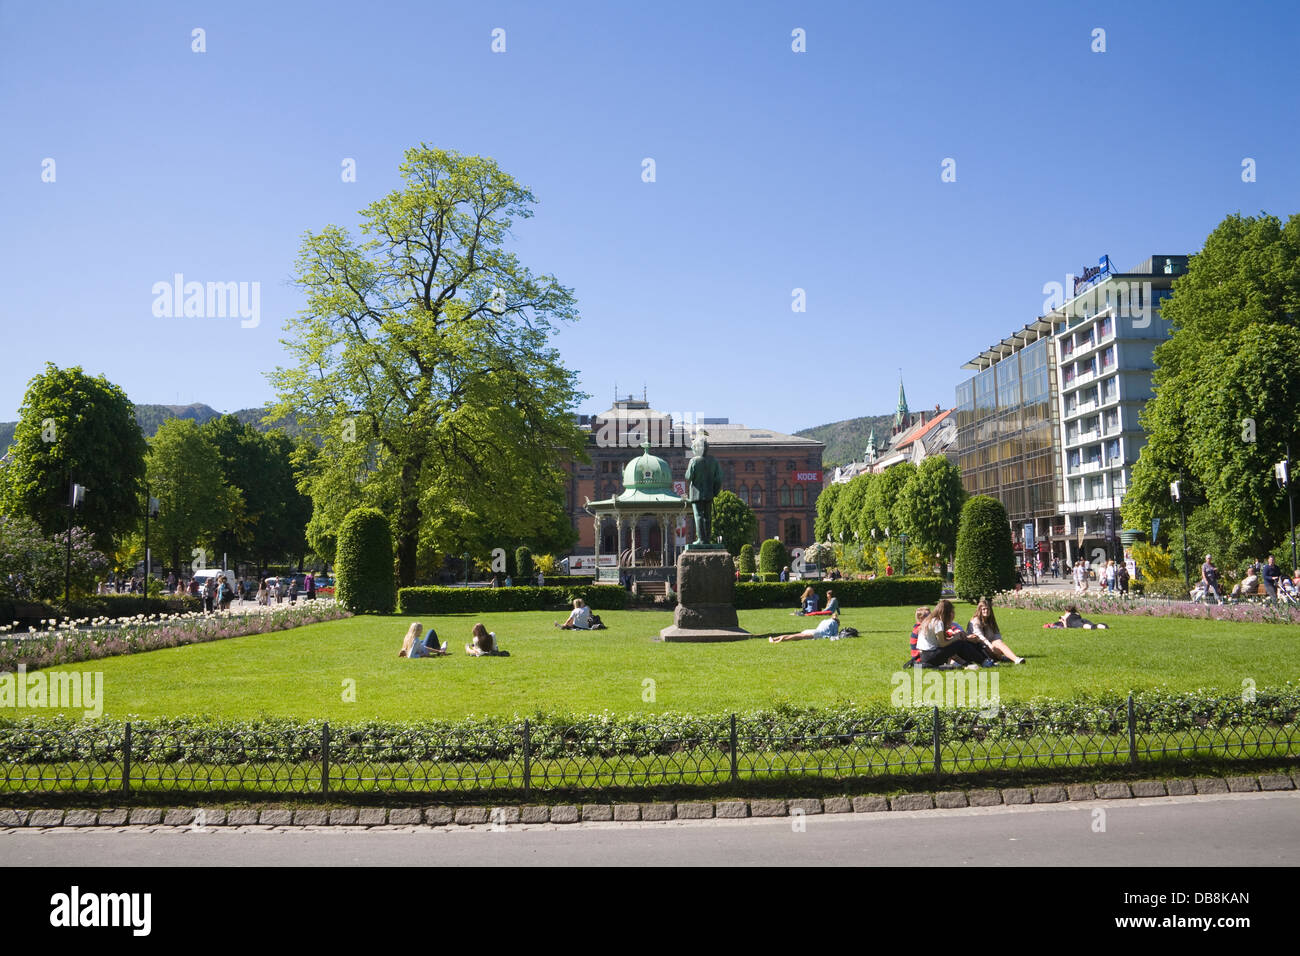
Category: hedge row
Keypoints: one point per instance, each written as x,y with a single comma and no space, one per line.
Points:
440,600
29,614
274,740
878,593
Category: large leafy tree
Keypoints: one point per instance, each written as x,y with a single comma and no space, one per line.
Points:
273,516
195,502
424,365
880,513
847,508
75,428
734,520
1227,384
825,508
929,506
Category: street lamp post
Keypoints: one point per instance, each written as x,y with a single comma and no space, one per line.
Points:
1176,490
75,496
150,511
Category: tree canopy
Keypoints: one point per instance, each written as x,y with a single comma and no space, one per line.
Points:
734,520
1227,385
929,506
195,502
424,365
75,428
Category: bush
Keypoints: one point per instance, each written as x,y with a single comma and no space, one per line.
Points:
365,563
986,559
882,592
524,564
440,600
771,556
30,614
745,561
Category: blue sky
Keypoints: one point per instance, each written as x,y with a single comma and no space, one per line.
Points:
775,170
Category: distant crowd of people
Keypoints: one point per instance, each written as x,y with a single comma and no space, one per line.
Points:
1266,580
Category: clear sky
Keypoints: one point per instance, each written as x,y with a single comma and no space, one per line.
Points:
775,170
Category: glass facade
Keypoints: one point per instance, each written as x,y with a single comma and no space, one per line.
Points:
1006,433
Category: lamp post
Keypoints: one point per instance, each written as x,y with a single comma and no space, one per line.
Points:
1283,472
1176,490
150,511
902,562
75,495
465,560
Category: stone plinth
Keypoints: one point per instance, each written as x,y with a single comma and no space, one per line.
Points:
706,583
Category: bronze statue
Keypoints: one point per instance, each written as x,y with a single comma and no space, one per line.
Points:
704,481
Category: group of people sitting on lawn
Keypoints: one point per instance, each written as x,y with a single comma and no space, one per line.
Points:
483,643
938,642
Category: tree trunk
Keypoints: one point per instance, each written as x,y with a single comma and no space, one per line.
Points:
408,526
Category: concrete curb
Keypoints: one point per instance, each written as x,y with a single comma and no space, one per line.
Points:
182,818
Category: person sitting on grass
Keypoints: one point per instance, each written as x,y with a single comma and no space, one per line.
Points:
941,641
832,606
984,627
484,643
807,602
581,618
829,628
914,658
413,647
1072,618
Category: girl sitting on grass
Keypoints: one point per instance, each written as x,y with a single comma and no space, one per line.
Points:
984,626
413,647
484,643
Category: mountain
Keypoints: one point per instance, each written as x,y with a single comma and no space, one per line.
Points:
149,417
847,440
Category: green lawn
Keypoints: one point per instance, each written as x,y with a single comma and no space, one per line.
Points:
305,672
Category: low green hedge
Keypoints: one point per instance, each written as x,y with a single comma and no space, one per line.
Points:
31,613
881,592
440,600
266,740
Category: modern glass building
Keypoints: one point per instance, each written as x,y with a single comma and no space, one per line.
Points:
1008,436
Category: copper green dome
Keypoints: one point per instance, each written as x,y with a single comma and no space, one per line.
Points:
647,473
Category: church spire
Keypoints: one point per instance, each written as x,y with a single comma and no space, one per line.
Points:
871,446
900,413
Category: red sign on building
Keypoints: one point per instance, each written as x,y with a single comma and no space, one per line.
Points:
808,476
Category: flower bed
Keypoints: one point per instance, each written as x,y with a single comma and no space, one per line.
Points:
1254,612
85,639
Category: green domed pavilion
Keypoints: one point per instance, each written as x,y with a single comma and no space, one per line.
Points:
647,493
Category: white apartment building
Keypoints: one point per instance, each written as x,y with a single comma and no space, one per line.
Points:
1104,337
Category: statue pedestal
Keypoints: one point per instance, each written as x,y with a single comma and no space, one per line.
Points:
706,587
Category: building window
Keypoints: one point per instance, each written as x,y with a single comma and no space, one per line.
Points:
743,494
793,532
789,466
1108,356
798,496
749,466
785,496
758,498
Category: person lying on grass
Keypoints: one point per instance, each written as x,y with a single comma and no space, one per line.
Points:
581,619
984,628
413,647
1072,618
484,643
940,641
829,628
832,606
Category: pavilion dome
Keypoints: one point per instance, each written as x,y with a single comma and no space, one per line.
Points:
647,473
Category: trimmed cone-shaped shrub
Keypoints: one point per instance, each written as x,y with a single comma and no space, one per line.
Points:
524,565
771,556
986,559
745,560
364,562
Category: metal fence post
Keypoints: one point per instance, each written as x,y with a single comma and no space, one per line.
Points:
528,759
1132,732
735,770
126,761
938,757
325,759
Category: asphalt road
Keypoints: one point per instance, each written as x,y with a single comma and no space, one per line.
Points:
1260,829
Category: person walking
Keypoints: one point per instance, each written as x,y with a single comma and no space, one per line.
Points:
1270,574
